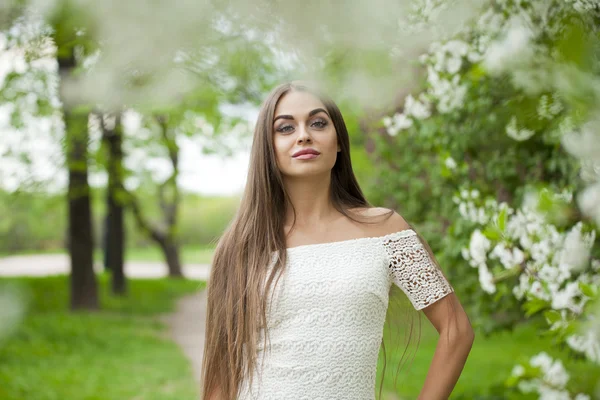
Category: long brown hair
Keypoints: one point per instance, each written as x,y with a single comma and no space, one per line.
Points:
237,300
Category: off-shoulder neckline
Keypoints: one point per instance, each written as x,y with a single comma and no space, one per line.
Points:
393,235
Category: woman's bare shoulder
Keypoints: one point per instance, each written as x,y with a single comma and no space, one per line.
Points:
385,223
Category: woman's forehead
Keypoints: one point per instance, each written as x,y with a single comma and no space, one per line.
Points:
298,103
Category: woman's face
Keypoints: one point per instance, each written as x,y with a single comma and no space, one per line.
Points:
301,123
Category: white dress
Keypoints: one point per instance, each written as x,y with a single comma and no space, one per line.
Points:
326,319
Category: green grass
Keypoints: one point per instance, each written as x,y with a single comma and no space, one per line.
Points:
121,352
31,252
489,364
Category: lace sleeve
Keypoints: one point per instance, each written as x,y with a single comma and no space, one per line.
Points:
413,270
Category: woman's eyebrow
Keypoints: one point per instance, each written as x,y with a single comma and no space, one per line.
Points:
316,111
310,114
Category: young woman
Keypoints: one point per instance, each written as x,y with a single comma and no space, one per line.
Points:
300,280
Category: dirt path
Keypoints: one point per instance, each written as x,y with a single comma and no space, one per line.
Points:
53,264
187,328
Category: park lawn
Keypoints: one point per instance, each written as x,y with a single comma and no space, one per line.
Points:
489,364
121,352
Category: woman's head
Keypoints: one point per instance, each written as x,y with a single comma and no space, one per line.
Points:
297,116
302,123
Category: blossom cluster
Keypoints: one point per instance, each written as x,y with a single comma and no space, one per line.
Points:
553,268
507,37
512,47
516,40
584,143
544,376
31,123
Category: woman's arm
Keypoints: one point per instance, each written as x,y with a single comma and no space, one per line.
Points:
456,338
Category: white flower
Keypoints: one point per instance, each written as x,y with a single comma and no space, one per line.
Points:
582,396
20,64
416,108
549,273
528,386
548,393
456,47
508,258
387,122
449,94
396,123
576,248
583,5
486,279
537,290
393,130
583,143
554,371
518,370
518,256
588,343
540,251
450,163
542,110
402,121
523,286
556,374
478,247
453,64
589,202
514,47
465,253
525,241
518,134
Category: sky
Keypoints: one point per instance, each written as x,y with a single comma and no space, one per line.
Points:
214,175
199,173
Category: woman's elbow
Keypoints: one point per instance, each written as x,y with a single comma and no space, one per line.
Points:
465,334
460,335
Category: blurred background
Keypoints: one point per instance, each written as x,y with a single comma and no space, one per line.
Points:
125,130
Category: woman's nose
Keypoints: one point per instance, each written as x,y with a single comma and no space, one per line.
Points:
303,135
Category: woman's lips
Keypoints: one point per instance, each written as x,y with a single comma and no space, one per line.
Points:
306,156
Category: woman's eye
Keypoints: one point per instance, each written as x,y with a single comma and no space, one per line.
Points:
319,124
284,128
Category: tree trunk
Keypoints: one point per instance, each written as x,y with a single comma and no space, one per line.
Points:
167,242
115,233
169,199
84,289
171,251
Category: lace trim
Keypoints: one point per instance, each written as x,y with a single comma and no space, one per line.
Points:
413,270
389,236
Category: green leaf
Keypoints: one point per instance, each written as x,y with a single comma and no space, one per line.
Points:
502,220
534,305
587,290
552,316
491,233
